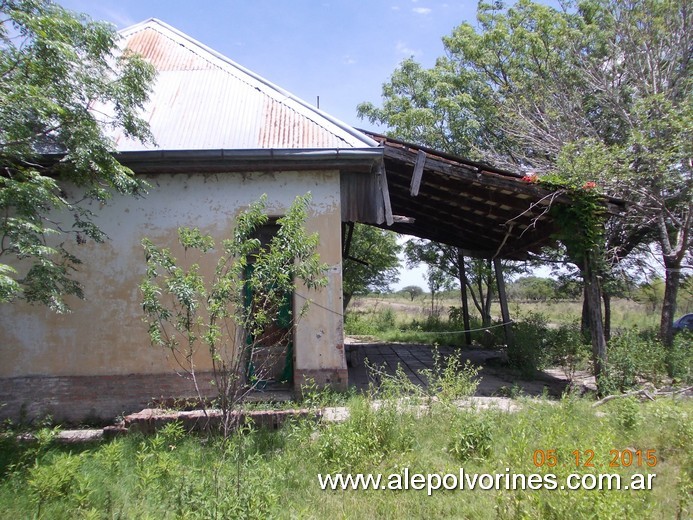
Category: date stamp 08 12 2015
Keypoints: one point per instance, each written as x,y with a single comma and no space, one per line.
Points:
585,458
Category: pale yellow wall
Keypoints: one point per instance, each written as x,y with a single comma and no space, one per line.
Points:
105,335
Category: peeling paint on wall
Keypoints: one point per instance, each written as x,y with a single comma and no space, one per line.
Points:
105,335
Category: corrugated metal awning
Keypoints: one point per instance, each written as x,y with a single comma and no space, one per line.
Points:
485,211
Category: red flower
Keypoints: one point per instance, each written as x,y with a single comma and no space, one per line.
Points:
589,185
530,177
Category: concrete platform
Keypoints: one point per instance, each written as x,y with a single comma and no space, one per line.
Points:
497,378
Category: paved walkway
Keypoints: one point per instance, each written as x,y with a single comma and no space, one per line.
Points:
387,356
497,379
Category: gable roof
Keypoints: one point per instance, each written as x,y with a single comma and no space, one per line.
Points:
202,100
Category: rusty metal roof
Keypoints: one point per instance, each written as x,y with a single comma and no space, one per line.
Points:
203,101
485,211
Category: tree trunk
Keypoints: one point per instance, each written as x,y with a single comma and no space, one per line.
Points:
674,249
607,315
503,299
585,320
489,294
345,301
671,288
593,297
463,294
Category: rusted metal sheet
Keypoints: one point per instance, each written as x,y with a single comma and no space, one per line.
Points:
486,211
361,198
202,100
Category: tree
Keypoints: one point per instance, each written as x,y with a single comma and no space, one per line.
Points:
235,315
413,291
533,288
651,292
439,281
475,275
641,70
596,93
55,154
371,262
614,108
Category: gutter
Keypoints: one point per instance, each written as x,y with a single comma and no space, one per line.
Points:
224,160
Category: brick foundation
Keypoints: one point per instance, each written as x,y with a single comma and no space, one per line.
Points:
337,379
75,399
91,398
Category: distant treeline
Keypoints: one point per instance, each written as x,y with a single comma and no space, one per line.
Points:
534,289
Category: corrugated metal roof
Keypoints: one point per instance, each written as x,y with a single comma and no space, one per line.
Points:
202,101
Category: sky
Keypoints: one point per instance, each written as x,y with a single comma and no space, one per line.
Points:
341,51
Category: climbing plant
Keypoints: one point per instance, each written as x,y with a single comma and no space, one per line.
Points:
580,227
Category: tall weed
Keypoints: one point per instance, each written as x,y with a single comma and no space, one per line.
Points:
366,438
472,437
633,357
679,359
449,379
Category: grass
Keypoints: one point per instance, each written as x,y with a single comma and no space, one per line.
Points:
541,339
274,474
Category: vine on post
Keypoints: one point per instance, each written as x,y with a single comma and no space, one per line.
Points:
581,230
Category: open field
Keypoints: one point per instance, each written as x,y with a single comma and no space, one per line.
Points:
625,313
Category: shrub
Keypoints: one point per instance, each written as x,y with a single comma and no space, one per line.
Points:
567,348
679,358
449,379
627,413
369,324
473,437
531,347
54,478
633,356
366,438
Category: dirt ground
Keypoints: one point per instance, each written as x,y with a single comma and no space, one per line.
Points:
497,377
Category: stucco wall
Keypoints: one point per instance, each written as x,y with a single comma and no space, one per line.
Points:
105,335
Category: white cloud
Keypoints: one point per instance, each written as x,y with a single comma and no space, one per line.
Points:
121,19
395,8
421,10
402,48
348,60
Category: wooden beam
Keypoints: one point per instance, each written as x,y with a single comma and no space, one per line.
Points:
418,173
347,239
385,190
455,192
485,178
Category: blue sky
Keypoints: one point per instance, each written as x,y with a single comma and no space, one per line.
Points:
340,50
